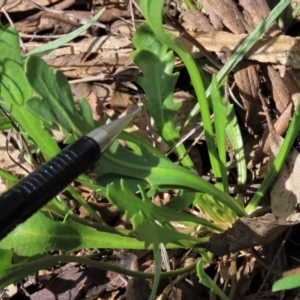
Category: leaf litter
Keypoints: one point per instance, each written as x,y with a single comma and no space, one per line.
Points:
87,58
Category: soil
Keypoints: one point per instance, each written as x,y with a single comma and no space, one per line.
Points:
263,89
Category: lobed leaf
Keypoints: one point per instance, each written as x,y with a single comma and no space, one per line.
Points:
56,105
158,172
14,88
133,205
154,234
158,82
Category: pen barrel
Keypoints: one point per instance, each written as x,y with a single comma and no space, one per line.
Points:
34,191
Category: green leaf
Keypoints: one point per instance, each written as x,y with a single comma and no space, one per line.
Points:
219,110
152,11
182,200
14,87
153,234
4,122
15,91
234,134
40,234
158,82
278,162
133,205
6,260
287,283
56,104
158,172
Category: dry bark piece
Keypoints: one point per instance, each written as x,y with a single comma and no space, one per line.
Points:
121,27
291,79
21,5
196,20
280,126
137,289
121,97
96,107
246,233
73,283
75,66
246,77
279,92
255,11
44,20
225,13
185,290
70,285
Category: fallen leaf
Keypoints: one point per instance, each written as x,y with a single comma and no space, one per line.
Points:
282,49
285,192
247,233
22,5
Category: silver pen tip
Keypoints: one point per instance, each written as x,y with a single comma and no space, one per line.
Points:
107,133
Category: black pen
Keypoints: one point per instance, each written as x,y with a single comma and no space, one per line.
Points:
38,188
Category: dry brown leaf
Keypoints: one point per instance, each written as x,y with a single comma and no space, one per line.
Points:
225,13
96,107
285,192
88,46
247,80
282,49
20,5
279,91
246,233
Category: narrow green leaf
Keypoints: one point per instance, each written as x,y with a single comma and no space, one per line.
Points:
31,265
278,162
234,134
220,121
66,37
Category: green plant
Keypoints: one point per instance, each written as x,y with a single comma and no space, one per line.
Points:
122,172
287,283
53,107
